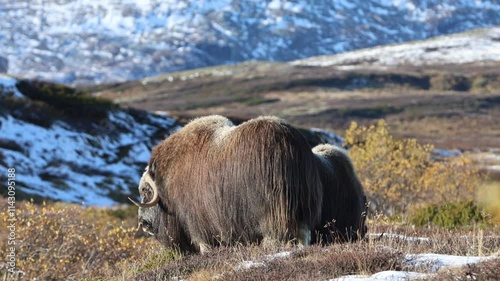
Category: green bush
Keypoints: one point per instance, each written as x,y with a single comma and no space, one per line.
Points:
32,111
444,82
449,215
69,101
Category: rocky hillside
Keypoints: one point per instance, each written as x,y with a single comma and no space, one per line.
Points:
94,41
68,146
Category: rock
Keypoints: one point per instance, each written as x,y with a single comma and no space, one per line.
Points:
4,65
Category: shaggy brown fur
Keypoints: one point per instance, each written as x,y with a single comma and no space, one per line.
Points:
227,184
344,202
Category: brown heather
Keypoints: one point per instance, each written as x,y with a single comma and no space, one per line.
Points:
67,242
56,241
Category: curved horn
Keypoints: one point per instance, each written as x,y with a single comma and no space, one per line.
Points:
149,204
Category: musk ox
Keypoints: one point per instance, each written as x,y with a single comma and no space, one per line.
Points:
344,206
212,183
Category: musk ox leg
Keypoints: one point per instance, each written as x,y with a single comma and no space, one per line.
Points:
304,236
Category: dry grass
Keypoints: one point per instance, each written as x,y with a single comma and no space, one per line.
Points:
59,241
485,271
385,249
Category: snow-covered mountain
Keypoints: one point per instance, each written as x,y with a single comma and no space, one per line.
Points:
94,41
481,46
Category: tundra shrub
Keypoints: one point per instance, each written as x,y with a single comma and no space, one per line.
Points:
449,215
66,100
489,199
399,175
64,241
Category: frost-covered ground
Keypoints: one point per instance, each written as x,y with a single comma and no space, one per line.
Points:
94,41
430,263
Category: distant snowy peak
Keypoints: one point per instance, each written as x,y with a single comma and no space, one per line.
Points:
94,41
475,46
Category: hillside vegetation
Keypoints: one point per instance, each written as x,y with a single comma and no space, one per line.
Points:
441,105
103,244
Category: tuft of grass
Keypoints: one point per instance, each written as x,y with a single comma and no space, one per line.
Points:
157,260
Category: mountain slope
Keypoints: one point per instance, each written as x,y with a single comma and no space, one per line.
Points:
91,41
444,91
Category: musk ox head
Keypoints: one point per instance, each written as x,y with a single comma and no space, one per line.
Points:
153,217
149,209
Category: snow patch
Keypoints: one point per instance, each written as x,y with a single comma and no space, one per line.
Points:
434,262
8,86
481,46
399,236
384,276
438,261
328,137
263,260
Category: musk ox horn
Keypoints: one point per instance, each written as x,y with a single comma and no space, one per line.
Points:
149,204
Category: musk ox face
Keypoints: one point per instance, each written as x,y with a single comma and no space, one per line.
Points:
154,219
150,212
149,219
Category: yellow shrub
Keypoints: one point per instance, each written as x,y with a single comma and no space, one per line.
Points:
489,198
401,174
